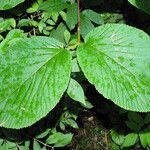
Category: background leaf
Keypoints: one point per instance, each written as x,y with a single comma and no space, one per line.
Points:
117,137
36,145
116,59
71,19
59,139
75,91
58,33
130,140
144,138
53,5
7,4
7,24
93,16
141,4
16,33
86,25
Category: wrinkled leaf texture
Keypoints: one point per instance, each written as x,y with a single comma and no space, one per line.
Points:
116,59
34,75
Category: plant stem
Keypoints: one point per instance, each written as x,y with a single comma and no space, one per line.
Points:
78,28
46,145
106,141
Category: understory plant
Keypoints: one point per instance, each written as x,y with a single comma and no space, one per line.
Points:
136,133
39,68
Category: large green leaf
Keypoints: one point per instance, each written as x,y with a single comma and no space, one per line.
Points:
116,59
141,4
7,4
34,75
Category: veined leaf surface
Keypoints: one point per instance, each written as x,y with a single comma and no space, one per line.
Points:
34,75
116,59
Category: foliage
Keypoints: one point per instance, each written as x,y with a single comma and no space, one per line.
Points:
7,4
42,61
143,5
138,131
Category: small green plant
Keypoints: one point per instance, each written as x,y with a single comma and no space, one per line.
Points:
138,132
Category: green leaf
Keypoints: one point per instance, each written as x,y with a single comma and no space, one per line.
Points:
3,147
75,66
1,38
59,33
50,22
147,118
36,146
54,16
67,36
86,25
27,144
62,126
24,23
7,24
71,123
16,33
53,5
40,1
133,126
23,148
59,139
93,16
114,146
44,148
71,19
33,8
135,117
143,138
116,59
34,73
7,4
41,25
87,105
75,91
141,4
1,140
34,23
63,15
11,145
130,140
43,134
117,137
